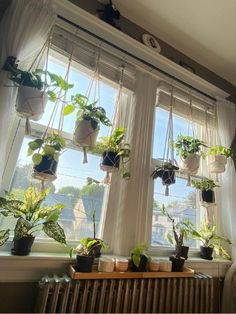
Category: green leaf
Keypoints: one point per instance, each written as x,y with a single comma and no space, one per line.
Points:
68,110
37,159
56,156
4,236
35,144
54,231
55,214
22,227
136,259
52,96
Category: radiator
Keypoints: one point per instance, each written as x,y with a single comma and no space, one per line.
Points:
159,295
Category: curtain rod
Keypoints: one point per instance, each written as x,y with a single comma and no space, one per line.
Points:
135,57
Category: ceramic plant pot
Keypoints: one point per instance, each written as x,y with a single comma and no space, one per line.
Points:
31,103
22,246
84,263
217,163
84,134
177,263
46,170
110,161
190,165
206,252
167,176
142,265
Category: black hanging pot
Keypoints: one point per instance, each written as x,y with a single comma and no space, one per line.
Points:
110,160
167,176
177,263
22,246
142,265
47,168
183,251
206,252
84,263
208,196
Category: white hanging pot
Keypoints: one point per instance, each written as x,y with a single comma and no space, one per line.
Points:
217,163
84,134
190,165
31,103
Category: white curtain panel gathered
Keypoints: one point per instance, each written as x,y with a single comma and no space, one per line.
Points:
129,215
226,113
24,29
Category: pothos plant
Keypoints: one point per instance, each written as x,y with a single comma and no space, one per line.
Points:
87,247
31,216
204,184
186,145
51,146
137,252
221,150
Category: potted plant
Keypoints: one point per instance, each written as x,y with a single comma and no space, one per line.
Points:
166,172
210,241
34,91
180,232
139,257
189,150
31,217
85,254
46,159
115,152
206,187
218,158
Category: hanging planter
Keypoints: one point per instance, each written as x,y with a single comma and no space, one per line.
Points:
218,158
189,149
206,186
88,121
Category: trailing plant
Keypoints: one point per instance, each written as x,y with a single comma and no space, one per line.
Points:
139,250
86,246
166,166
186,145
221,150
204,184
180,231
87,111
31,216
51,146
209,238
38,79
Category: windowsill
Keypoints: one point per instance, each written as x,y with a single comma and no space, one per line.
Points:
31,268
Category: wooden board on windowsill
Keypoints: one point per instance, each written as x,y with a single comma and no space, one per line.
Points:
188,272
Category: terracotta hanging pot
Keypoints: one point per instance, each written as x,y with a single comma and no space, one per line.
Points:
84,134
217,163
31,103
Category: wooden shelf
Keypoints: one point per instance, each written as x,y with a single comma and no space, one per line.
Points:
188,272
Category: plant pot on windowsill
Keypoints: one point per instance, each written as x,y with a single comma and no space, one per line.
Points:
46,169
142,267
84,263
110,161
177,263
23,245
206,252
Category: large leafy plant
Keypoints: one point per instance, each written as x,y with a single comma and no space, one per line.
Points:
139,250
187,145
204,184
87,111
31,216
209,238
51,146
221,150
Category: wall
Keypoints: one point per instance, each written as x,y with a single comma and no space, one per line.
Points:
168,51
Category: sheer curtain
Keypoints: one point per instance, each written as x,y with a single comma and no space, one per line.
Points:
126,220
227,207
23,31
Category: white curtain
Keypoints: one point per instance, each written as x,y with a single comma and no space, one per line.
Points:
24,29
227,207
126,220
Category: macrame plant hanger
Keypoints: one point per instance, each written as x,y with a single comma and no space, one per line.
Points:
116,122
168,154
60,101
93,87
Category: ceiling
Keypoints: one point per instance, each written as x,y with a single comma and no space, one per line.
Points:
204,30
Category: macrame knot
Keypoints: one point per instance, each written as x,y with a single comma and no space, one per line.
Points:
107,178
85,160
27,126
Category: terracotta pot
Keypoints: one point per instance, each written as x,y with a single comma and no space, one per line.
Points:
22,246
31,103
206,252
84,135
217,163
46,170
110,161
84,263
177,263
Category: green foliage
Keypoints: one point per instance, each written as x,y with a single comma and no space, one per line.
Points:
204,184
51,146
209,238
221,150
31,216
87,246
137,251
186,145
86,111
115,143
39,79
180,231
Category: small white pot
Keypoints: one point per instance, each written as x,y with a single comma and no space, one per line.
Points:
217,163
84,134
31,103
190,165
106,265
